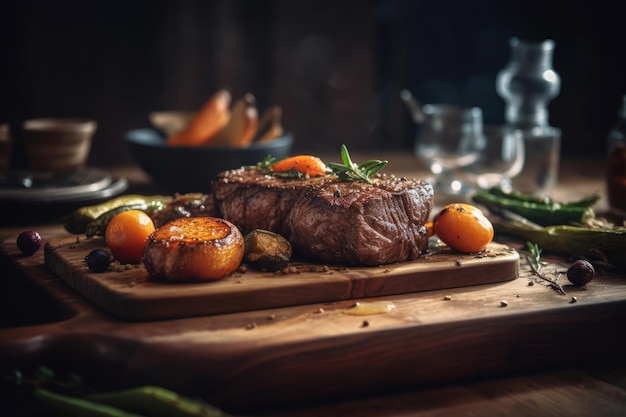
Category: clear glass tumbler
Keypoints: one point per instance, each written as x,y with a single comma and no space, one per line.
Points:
449,139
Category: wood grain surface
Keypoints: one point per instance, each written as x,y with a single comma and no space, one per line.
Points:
276,357
128,293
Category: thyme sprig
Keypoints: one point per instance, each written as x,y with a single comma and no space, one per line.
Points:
350,171
536,265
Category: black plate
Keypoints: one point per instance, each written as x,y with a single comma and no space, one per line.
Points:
36,197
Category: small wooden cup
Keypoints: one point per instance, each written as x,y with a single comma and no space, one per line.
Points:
58,144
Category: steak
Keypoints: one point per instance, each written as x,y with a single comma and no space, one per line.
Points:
329,220
186,205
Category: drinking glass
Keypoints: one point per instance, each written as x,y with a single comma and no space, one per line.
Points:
448,139
501,158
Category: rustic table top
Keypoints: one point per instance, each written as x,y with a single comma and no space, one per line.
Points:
510,348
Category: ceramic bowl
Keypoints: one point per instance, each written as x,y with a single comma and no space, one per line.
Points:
190,169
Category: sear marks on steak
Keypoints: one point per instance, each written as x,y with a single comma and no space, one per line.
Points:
252,200
329,220
186,205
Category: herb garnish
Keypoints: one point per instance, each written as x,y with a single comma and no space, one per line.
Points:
350,171
267,162
535,263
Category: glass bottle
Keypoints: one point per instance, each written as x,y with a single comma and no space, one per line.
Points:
527,84
5,148
616,163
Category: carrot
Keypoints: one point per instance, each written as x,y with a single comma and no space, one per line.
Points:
210,119
242,125
430,228
306,164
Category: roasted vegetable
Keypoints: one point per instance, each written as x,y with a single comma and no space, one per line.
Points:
543,212
66,405
304,164
606,244
241,126
270,125
98,226
266,250
68,395
214,115
78,220
194,249
512,194
156,401
134,402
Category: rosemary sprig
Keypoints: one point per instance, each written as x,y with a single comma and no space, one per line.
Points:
534,261
350,171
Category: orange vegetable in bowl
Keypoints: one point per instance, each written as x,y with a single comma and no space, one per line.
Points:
206,123
306,164
463,227
241,126
126,235
270,125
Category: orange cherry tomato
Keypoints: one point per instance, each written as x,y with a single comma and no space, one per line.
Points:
463,227
126,235
306,164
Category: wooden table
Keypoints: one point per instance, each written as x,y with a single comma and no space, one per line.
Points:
510,348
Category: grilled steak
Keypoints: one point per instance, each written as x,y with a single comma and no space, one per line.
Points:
186,205
329,220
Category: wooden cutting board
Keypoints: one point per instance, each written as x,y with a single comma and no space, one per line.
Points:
130,294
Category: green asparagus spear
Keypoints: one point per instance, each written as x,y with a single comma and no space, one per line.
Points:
594,243
544,214
512,194
156,401
78,407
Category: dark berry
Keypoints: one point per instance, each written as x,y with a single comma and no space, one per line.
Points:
98,260
29,242
580,273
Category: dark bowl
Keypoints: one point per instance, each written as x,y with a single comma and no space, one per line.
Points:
190,169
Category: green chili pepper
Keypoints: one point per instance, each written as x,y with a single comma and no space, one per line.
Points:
78,407
78,220
98,226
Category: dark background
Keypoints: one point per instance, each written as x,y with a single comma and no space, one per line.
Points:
336,67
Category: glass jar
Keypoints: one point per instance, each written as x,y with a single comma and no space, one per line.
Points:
616,163
527,84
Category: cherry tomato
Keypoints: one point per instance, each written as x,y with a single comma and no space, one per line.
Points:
463,227
126,235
